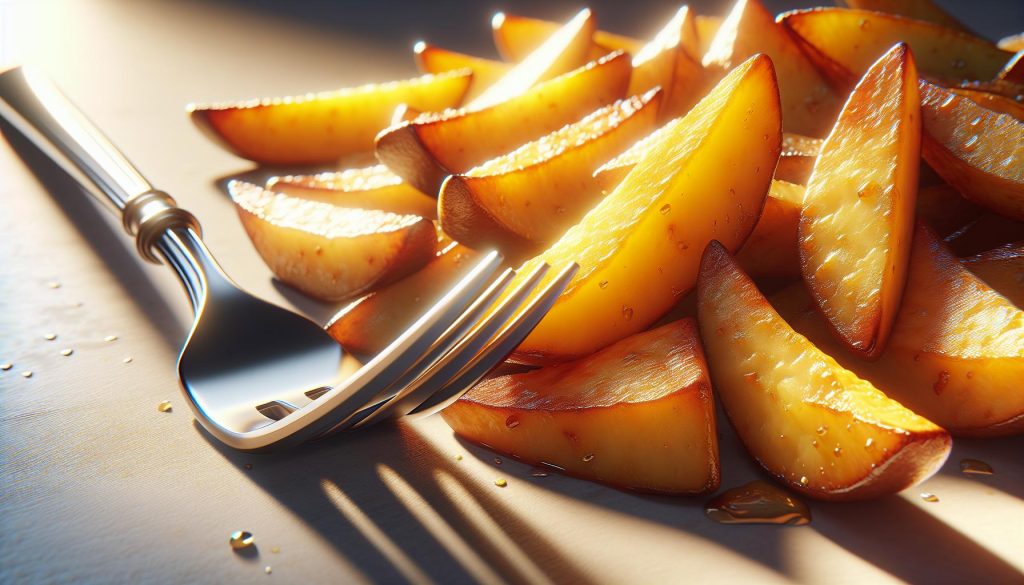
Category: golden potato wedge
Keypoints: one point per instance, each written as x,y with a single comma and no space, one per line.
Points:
329,252
809,422
1002,269
427,149
771,250
1012,42
799,154
858,211
565,50
366,326
517,36
529,197
325,127
668,62
707,28
706,179
976,150
434,59
638,415
926,10
985,232
843,43
992,101
956,354
373,187
809,106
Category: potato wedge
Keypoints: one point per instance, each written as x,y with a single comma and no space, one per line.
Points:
926,10
858,211
434,59
978,151
992,101
809,106
368,325
809,422
1002,269
373,187
843,43
956,354
1013,72
771,250
565,50
325,127
427,149
517,36
706,179
638,415
329,252
668,62
1012,42
530,196
707,28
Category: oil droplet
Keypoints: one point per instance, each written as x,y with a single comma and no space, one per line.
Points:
6,367
814,443
275,549
458,457
750,377
50,336
165,406
822,430
241,539
110,338
971,144
268,570
627,312
53,284
538,472
500,482
127,360
864,24
868,443
948,101
757,502
975,467
603,284
838,451
66,352
26,374
665,208
512,421
976,121
803,480
588,457
929,497
497,461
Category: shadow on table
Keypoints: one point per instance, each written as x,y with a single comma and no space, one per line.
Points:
106,243
1004,454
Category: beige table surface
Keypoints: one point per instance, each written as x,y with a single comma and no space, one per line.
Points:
96,486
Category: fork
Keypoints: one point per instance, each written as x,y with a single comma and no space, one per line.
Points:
259,377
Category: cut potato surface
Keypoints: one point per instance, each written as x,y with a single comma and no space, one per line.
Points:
844,43
977,150
369,324
533,194
956,354
809,106
330,252
639,248
858,211
433,59
373,187
809,422
1002,269
637,415
668,62
517,36
432,146
324,127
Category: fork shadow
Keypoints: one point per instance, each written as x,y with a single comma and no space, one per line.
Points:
106,243
381,498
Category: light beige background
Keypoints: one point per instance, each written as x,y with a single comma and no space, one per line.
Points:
96,486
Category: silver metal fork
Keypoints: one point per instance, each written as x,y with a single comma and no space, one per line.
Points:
257,376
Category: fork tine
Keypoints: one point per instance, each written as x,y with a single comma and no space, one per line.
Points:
341,402
473,359
436,363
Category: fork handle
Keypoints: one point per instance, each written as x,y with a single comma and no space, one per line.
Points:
30,102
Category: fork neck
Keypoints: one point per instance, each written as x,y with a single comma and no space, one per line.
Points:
185,252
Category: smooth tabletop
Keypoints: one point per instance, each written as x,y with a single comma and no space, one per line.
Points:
98,486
